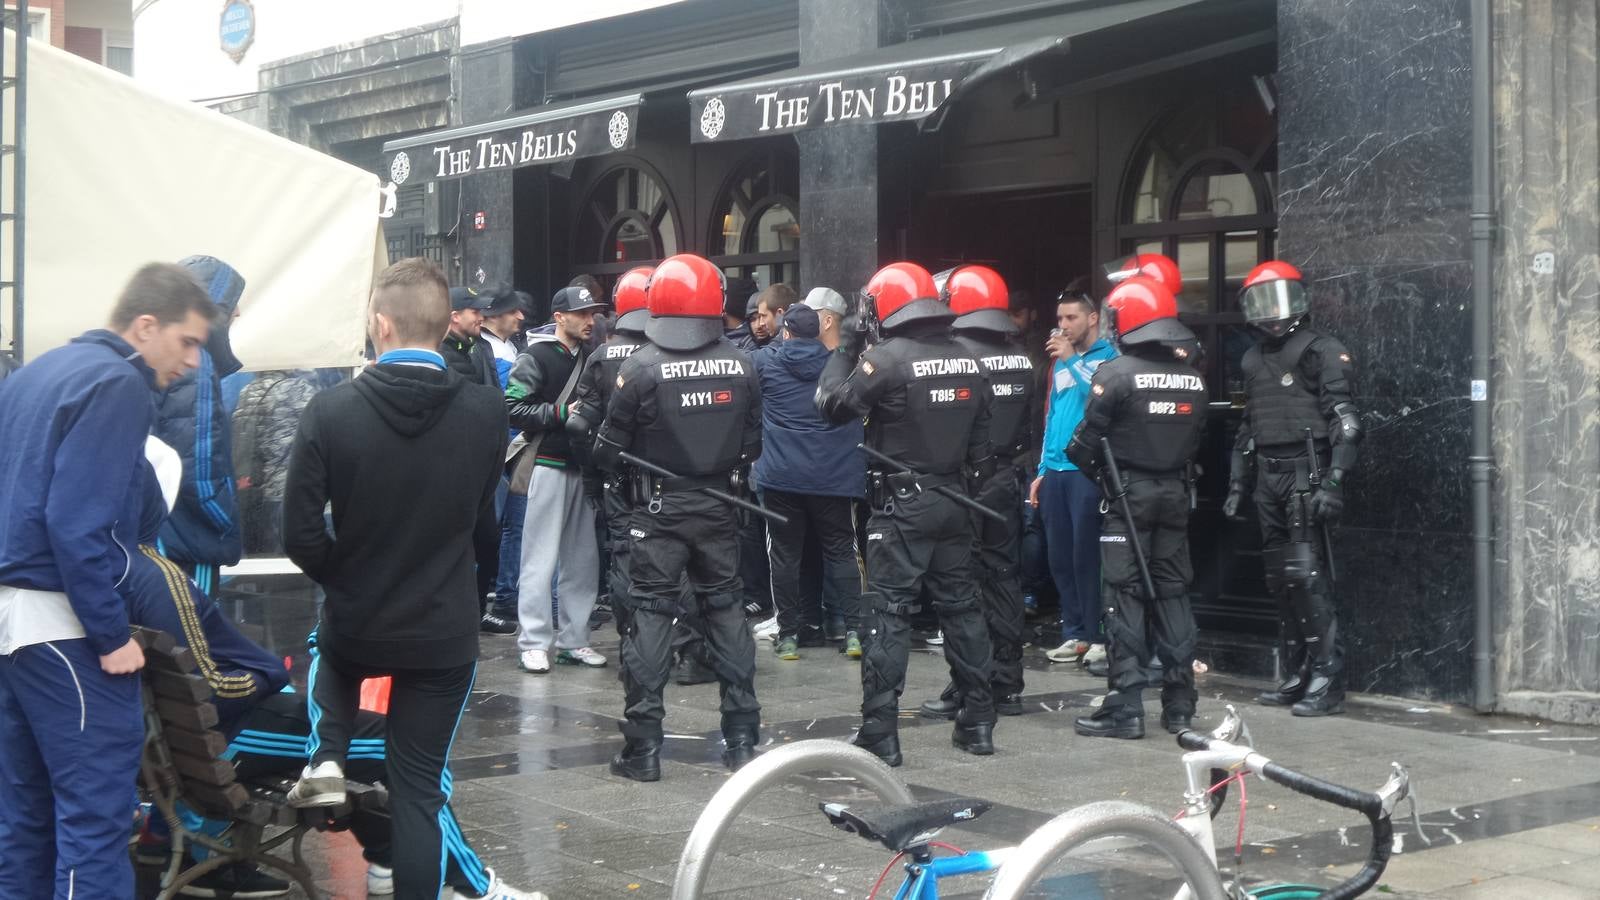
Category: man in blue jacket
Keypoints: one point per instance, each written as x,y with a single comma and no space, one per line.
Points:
811,471
72,481
202,534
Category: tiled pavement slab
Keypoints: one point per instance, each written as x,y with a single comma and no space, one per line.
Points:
1507,803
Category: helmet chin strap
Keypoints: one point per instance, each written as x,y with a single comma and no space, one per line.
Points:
1280,336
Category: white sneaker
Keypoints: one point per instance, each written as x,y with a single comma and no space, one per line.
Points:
320,785
498,890
937,640
380,880
1094,654
535,661
583,656
1069,651
767,630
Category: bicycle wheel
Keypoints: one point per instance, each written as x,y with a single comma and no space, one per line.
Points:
1110,818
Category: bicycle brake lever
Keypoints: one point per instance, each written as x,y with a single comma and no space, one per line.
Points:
1400,781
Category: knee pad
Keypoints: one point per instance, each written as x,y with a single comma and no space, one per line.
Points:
1290,566
876,602
717,602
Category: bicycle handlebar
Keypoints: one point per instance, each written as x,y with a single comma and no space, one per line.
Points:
1375,805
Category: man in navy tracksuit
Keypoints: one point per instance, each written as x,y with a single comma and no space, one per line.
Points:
72,479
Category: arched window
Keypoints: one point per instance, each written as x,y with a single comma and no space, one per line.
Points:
627,219
1201,190
755,225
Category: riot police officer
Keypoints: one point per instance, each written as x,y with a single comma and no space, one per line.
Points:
591,397
689,403
1149,404
1298,440
978,297
927,405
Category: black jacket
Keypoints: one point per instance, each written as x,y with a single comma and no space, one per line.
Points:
471,358
410,458
537,381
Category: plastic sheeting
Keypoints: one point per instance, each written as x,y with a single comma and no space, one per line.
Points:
118,176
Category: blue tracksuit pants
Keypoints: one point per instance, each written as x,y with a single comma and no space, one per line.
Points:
70,739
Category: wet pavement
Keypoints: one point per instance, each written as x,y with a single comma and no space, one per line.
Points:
1510,805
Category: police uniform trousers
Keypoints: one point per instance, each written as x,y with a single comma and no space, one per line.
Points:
694,534
1136,628
688,634
998,554
1307,618
921,545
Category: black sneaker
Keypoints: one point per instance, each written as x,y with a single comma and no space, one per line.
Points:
756,610
493,624
239,880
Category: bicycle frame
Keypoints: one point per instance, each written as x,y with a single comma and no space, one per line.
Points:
922,878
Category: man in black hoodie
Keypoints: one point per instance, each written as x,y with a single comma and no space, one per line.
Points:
409,455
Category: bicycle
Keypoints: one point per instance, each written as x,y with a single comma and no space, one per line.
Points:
1210,765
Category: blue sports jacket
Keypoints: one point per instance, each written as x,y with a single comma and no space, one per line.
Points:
204,527
72,477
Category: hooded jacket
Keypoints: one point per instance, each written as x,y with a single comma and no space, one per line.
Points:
471,358
73,425
410,457
801,452
204,527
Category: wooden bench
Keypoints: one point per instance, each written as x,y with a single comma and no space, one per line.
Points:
183,765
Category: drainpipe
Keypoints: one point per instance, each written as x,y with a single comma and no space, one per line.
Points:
1481,462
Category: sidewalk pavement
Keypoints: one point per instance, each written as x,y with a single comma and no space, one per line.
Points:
1510,805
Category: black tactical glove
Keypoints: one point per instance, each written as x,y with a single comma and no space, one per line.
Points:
853,340
578,423
1328,502
1230,506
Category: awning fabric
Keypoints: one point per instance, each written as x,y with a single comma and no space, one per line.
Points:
915,81
548,134
119,176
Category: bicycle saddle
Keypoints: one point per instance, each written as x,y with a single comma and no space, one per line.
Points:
900,828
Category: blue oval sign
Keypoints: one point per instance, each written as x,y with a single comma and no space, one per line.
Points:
238,29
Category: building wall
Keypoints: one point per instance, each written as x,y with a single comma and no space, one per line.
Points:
1374,192
178,48
58,19
1546,390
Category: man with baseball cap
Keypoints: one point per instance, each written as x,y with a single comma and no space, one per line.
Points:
831,311
463,350
558,532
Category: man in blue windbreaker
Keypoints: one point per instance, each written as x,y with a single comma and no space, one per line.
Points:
203,533
73,424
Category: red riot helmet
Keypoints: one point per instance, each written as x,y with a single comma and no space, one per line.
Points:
904,292
1274,297
629,299
1151,265
1141,310
685,294
978,298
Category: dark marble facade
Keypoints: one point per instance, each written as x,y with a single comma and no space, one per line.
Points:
1374,193
1546,394
838,166
487,91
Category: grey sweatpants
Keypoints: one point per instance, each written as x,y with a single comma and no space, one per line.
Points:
557,543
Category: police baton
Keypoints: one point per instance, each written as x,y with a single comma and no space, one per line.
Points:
1119,493
1316,482
724,496
943,489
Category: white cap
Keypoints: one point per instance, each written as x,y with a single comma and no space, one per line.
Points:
824,299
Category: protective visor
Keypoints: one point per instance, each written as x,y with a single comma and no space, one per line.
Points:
1271,300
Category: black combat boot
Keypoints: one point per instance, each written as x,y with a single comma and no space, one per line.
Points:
739,744
1008,704
977,739
690,670
884,746
944,707
1114,719
1177,721
639,760
1287,693
1323,697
